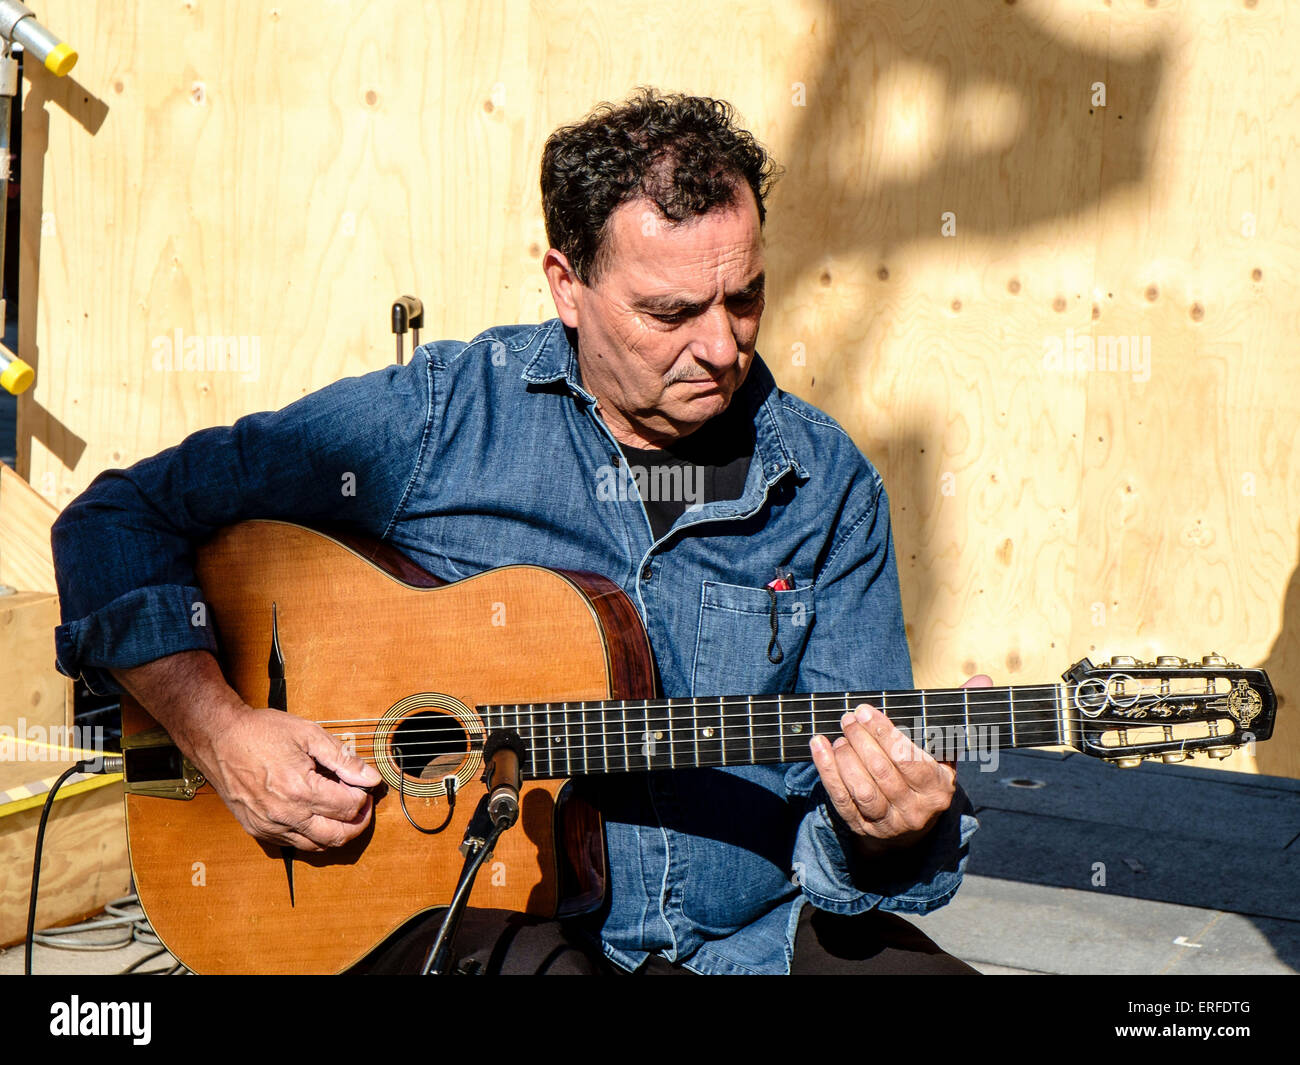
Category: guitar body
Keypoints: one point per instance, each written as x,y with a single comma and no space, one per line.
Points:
220,901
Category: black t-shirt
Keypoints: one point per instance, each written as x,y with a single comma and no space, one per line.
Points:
708,465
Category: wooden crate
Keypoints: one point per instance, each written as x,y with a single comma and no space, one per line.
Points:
84,864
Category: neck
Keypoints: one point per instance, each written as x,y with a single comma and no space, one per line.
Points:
637,735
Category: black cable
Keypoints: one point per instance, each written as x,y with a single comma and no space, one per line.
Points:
36,864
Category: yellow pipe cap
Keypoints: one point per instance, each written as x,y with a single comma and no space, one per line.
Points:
17,377
61,59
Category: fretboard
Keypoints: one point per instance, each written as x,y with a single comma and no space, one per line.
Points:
637,735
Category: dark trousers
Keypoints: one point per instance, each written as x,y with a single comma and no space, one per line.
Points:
500,942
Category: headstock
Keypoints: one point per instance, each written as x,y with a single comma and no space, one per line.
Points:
1125,710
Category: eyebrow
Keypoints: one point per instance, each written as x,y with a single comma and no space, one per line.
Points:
680,304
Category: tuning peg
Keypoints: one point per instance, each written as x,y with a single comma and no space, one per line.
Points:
1214,660
1125,763
1170,661
1218,752
1123,660
1174,756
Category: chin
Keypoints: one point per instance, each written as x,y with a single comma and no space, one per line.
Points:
705,407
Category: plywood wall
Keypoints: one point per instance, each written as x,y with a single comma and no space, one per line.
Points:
955,197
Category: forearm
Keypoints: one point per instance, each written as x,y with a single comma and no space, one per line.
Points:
186,694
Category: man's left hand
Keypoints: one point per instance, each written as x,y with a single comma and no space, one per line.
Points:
888,791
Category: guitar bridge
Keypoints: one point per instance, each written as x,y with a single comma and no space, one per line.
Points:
154,765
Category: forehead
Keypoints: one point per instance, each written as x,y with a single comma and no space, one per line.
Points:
647,250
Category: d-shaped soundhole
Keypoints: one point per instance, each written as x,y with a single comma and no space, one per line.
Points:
429,746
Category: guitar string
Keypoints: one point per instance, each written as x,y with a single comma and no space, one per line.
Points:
1045,725
553,730
791,701
1044,734
687,702
764,752
976,716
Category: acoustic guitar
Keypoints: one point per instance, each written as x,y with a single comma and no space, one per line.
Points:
412,674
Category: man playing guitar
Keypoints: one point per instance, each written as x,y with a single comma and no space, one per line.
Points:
640,436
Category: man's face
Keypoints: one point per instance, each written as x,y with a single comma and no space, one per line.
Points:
666,332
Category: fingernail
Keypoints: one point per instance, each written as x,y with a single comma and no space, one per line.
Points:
847,720
864,714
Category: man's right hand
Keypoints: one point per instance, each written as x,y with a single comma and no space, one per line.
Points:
286,780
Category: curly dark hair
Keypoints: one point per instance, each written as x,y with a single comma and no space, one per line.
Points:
682,153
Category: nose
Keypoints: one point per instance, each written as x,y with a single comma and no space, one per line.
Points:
715,343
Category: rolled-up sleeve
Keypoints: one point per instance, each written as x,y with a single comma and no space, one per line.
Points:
858,643
124,548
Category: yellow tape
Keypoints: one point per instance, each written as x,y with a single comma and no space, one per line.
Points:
12,802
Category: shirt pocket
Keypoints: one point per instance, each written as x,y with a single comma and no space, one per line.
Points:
734,647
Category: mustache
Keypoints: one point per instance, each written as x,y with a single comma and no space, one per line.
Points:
688,375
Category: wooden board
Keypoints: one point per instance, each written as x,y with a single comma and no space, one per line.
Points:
25,520
280,174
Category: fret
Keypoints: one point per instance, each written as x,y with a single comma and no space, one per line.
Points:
627,738
695,733
764,733
593,739
638,738
753,756
659,726
708,737
966,744
1066,733
826,720
799,725
548,714
965,707
780,725
986,708
1011,701
736,748
604,736
571,744
542,737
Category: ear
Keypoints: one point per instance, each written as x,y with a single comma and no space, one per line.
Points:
566,289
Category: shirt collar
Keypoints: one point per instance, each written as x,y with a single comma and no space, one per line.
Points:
556,359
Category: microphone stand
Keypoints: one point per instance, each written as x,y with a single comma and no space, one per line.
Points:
503,756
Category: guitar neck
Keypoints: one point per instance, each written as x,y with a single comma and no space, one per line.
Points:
637,735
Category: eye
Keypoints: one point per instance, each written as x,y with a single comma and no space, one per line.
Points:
671,319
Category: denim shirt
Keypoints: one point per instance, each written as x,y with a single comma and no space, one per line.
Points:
491,453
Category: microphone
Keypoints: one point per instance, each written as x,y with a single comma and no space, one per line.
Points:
504,755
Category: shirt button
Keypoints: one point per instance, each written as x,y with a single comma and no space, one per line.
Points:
647,571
